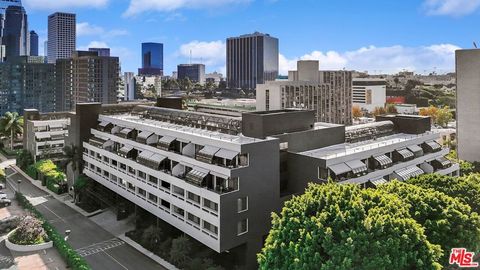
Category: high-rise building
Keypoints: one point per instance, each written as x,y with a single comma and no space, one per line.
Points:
15,32
61,36
4,4
251,59
87,77
152,59
468,98
129,83
33,43
27,82
328,93
101,51
194,72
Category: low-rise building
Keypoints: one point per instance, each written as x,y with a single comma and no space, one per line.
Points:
218,178
368,93
44,134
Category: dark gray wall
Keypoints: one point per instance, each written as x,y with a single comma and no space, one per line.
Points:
303,170
313,139
408,123
264,124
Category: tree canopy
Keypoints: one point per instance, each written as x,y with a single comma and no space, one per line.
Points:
336,226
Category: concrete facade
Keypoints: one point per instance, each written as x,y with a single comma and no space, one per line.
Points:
468,97
369,94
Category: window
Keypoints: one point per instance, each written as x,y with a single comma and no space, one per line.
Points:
123,166
114,162
242,204
178,211
267,100
131,186
106,159
210,205
142,192
106,174
166,185
178,191
165,204
193,197
131,170
243,160
210,227
242,227
142,175
152,198
193,218
153,180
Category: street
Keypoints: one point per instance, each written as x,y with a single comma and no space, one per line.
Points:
100,248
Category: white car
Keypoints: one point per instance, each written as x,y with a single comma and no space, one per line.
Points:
3,196
2,186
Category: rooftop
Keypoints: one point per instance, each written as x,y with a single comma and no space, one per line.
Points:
215,135
346,149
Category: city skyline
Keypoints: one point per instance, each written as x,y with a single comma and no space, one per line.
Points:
313,30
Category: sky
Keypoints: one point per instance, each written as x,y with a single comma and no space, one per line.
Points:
378,36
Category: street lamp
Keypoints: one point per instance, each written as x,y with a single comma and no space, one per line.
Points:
18,185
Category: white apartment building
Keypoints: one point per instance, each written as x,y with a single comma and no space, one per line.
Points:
328,93
44,134
369,93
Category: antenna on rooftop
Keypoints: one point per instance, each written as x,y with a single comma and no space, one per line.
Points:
475,45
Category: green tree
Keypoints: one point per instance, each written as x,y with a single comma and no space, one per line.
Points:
180,251
335,226
151,237
72,157
24,159
447,222
11,125
444,116
466,189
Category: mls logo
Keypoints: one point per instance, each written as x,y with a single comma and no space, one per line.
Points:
462,258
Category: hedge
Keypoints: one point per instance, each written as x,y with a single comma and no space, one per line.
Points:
51,175
73,260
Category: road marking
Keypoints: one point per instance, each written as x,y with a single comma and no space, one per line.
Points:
59,217
99,247
115,260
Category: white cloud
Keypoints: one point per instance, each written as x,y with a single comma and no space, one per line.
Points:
209,53
59,4
455,8
440,57
139,6
87,29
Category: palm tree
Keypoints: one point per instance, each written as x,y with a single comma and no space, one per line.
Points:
11,125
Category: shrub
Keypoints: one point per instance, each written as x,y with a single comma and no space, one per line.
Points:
29,232
180,251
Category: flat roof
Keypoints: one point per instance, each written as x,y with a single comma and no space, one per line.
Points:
345,149
191,131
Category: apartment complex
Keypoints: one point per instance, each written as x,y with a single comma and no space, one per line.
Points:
369,93
44,134
86,77
468,97
251,59
27,82
218,178
328,93
62,36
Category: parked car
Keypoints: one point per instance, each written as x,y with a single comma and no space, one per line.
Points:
5,202
3,196
2,186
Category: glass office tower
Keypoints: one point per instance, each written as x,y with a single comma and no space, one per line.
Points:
152,59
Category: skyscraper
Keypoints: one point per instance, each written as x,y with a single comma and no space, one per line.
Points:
96,79
101,51
152,59
251,59
15,32
61,36
6,3
33,43
27,82
129,86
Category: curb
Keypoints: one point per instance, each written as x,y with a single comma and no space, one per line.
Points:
147,253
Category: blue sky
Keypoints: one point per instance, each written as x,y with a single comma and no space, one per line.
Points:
373,35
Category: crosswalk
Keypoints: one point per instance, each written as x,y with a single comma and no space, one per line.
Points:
99,247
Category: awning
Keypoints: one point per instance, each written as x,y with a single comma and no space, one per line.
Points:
196,176
145,155
145,134
157,159
383,160
125,131
183,140
409,172
56,125
104,123
405,153
379,181
227,154
125,150
209,150
433,146
165,142
443,161
357,166
339,169
42,135
416,150
107,143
